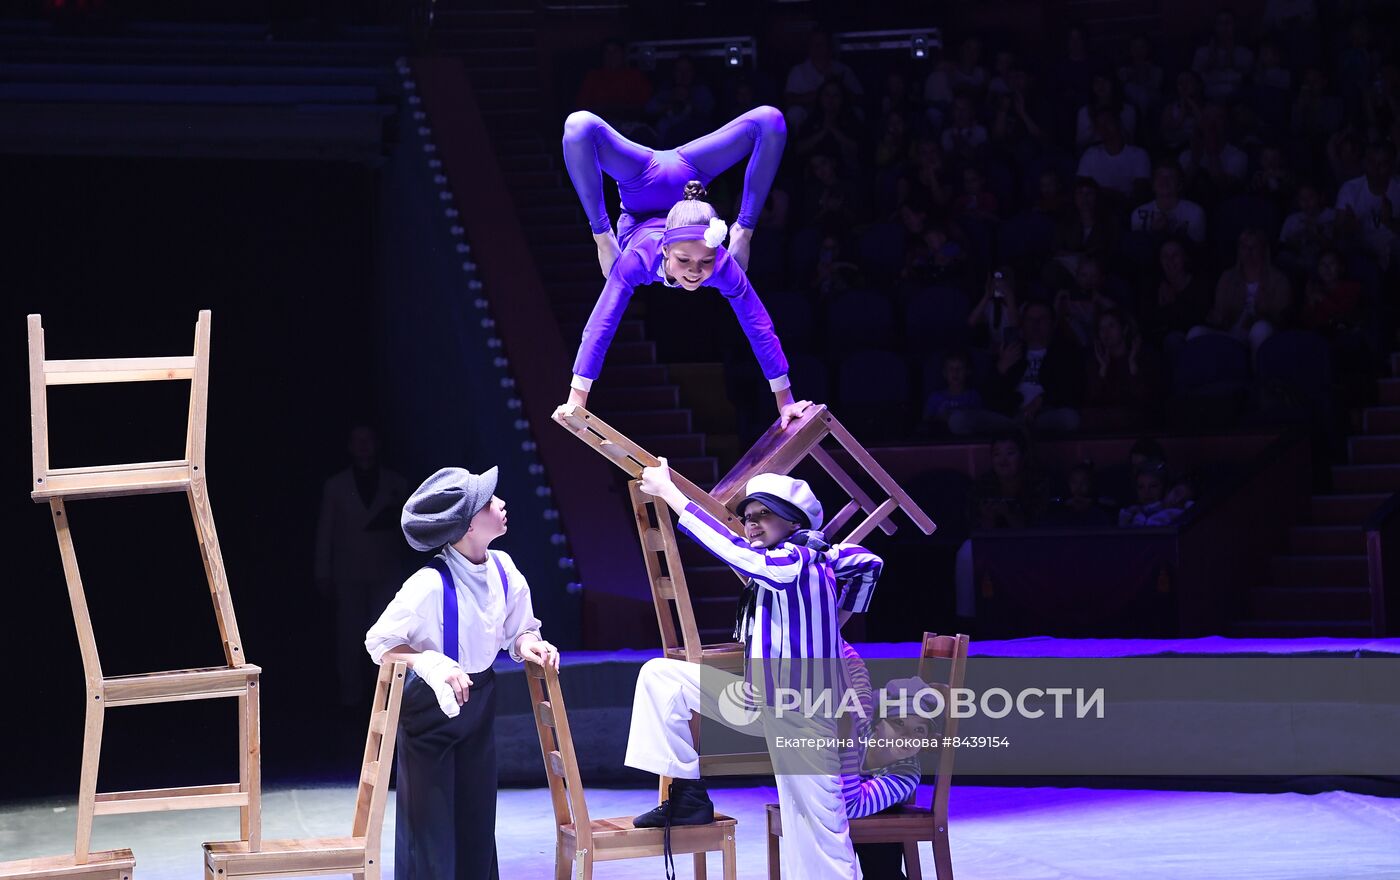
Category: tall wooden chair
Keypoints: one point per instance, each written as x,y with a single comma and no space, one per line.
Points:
581,840
356,854
907,824
237,678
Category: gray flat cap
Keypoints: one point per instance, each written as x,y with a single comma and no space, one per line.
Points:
439,511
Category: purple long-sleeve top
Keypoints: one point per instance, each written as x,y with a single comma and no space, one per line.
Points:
640,264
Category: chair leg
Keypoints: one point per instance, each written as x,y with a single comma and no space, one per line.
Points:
912,868
775,857
942,855
209,871
563,860
699,866
87,784
730,857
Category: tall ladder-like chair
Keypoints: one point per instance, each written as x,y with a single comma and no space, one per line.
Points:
237,679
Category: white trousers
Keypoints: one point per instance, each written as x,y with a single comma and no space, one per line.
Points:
816,838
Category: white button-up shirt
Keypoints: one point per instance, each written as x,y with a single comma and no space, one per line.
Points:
489,618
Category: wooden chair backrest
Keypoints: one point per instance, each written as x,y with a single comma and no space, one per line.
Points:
953,649
667,575
373,791
557,749
44,372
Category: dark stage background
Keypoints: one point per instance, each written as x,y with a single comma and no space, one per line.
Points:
118,255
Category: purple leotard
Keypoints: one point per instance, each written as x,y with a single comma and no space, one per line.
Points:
640,264
651,181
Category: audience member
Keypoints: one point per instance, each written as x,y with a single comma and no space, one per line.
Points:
614,90
1368,206
1222,63
684,108
1113,163
1168,213
956,393
1252,298
805,80
1082,507
1178,301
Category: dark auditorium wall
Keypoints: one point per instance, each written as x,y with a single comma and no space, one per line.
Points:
119,255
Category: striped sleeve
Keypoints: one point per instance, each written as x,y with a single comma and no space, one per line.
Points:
873,794
856,570
773,570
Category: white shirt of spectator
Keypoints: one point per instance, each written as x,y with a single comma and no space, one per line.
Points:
941,84
1233,161
1085,133
1118,173
1298,226
1030,386
1187,218
805,77
1355,195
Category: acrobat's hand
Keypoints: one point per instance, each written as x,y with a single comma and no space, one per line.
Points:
450,684
792,412
657,480
536,650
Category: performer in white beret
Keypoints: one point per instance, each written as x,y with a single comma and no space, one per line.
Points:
801,591
448,622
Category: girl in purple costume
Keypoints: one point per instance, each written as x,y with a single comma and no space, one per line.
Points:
683,250
651,181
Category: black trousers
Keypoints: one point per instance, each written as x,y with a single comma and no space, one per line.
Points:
446,801
881,861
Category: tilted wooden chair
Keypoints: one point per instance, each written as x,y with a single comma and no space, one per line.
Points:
356,854
580,840
907,824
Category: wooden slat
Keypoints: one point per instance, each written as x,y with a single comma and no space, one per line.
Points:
556,765
776,447
315,855
546,713
878,517
880,475
182,684
117,468
834,525
112,483
111,864
197,797
105,370
369,772
652,541
665,588
203,513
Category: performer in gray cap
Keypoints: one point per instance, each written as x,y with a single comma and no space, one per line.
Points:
448,622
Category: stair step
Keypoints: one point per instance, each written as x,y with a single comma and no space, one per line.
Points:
1395,363
677,446
561,233
610,399
533,181
484,38
503,56
633,353
1366,477
1388,391
512,162
1299,629
640,424
1331,571
550,213
703,471
1326,540
1311,603
1344,509
633,375
511,98
484,79
1381,419
1374,449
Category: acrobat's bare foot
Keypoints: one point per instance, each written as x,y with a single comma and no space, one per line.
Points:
740,240
608,250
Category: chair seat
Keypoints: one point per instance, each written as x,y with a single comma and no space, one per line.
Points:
111,864
619,839
235,858
900,823
723,655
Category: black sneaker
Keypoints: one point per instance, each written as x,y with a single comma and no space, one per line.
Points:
689,804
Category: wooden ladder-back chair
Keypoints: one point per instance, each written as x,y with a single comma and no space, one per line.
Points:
581,841
357,854
908,824
237,678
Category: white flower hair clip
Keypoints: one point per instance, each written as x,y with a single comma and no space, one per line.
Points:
715,233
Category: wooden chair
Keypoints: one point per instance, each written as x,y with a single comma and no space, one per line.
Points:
237,678
112,864
356,854
907,824
780,450
580,840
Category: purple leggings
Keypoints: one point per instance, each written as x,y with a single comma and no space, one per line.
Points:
652,181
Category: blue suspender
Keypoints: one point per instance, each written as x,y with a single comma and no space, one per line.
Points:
449,601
